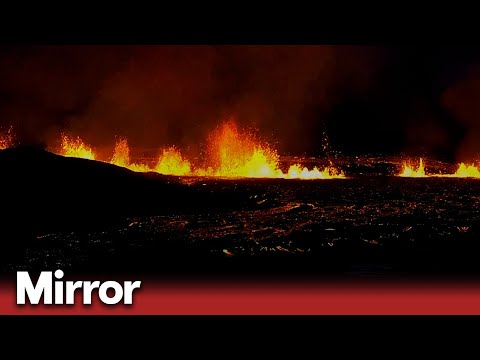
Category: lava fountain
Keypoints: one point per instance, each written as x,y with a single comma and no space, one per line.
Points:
231,153
121,157
411,171
234,154
75,147
171,162
470,171
297,172
6,140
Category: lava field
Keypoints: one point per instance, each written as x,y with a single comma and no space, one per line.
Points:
81,216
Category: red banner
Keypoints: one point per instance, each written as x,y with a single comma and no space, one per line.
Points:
258,298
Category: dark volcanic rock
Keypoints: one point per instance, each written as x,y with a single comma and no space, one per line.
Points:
43,192
83,216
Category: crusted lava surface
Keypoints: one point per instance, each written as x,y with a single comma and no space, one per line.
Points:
81,216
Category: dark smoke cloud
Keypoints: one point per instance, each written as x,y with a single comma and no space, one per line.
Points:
157,95
462,100
377,99
42,87
288,90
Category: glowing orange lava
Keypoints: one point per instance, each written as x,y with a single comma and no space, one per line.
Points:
463,171
467,171
6,140
297,172
410,171
236,154
171,162
121,157
231,153
75,147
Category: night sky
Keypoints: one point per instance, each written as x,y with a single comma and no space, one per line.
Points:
366,99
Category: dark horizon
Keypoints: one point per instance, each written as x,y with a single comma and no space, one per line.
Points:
362,99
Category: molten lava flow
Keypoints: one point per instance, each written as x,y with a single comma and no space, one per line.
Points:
75,147
171,162
121,157
409,171
6,140
467,171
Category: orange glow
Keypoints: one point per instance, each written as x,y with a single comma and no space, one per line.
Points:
121,157
410,171
171,162
467,171
6,140
75,147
